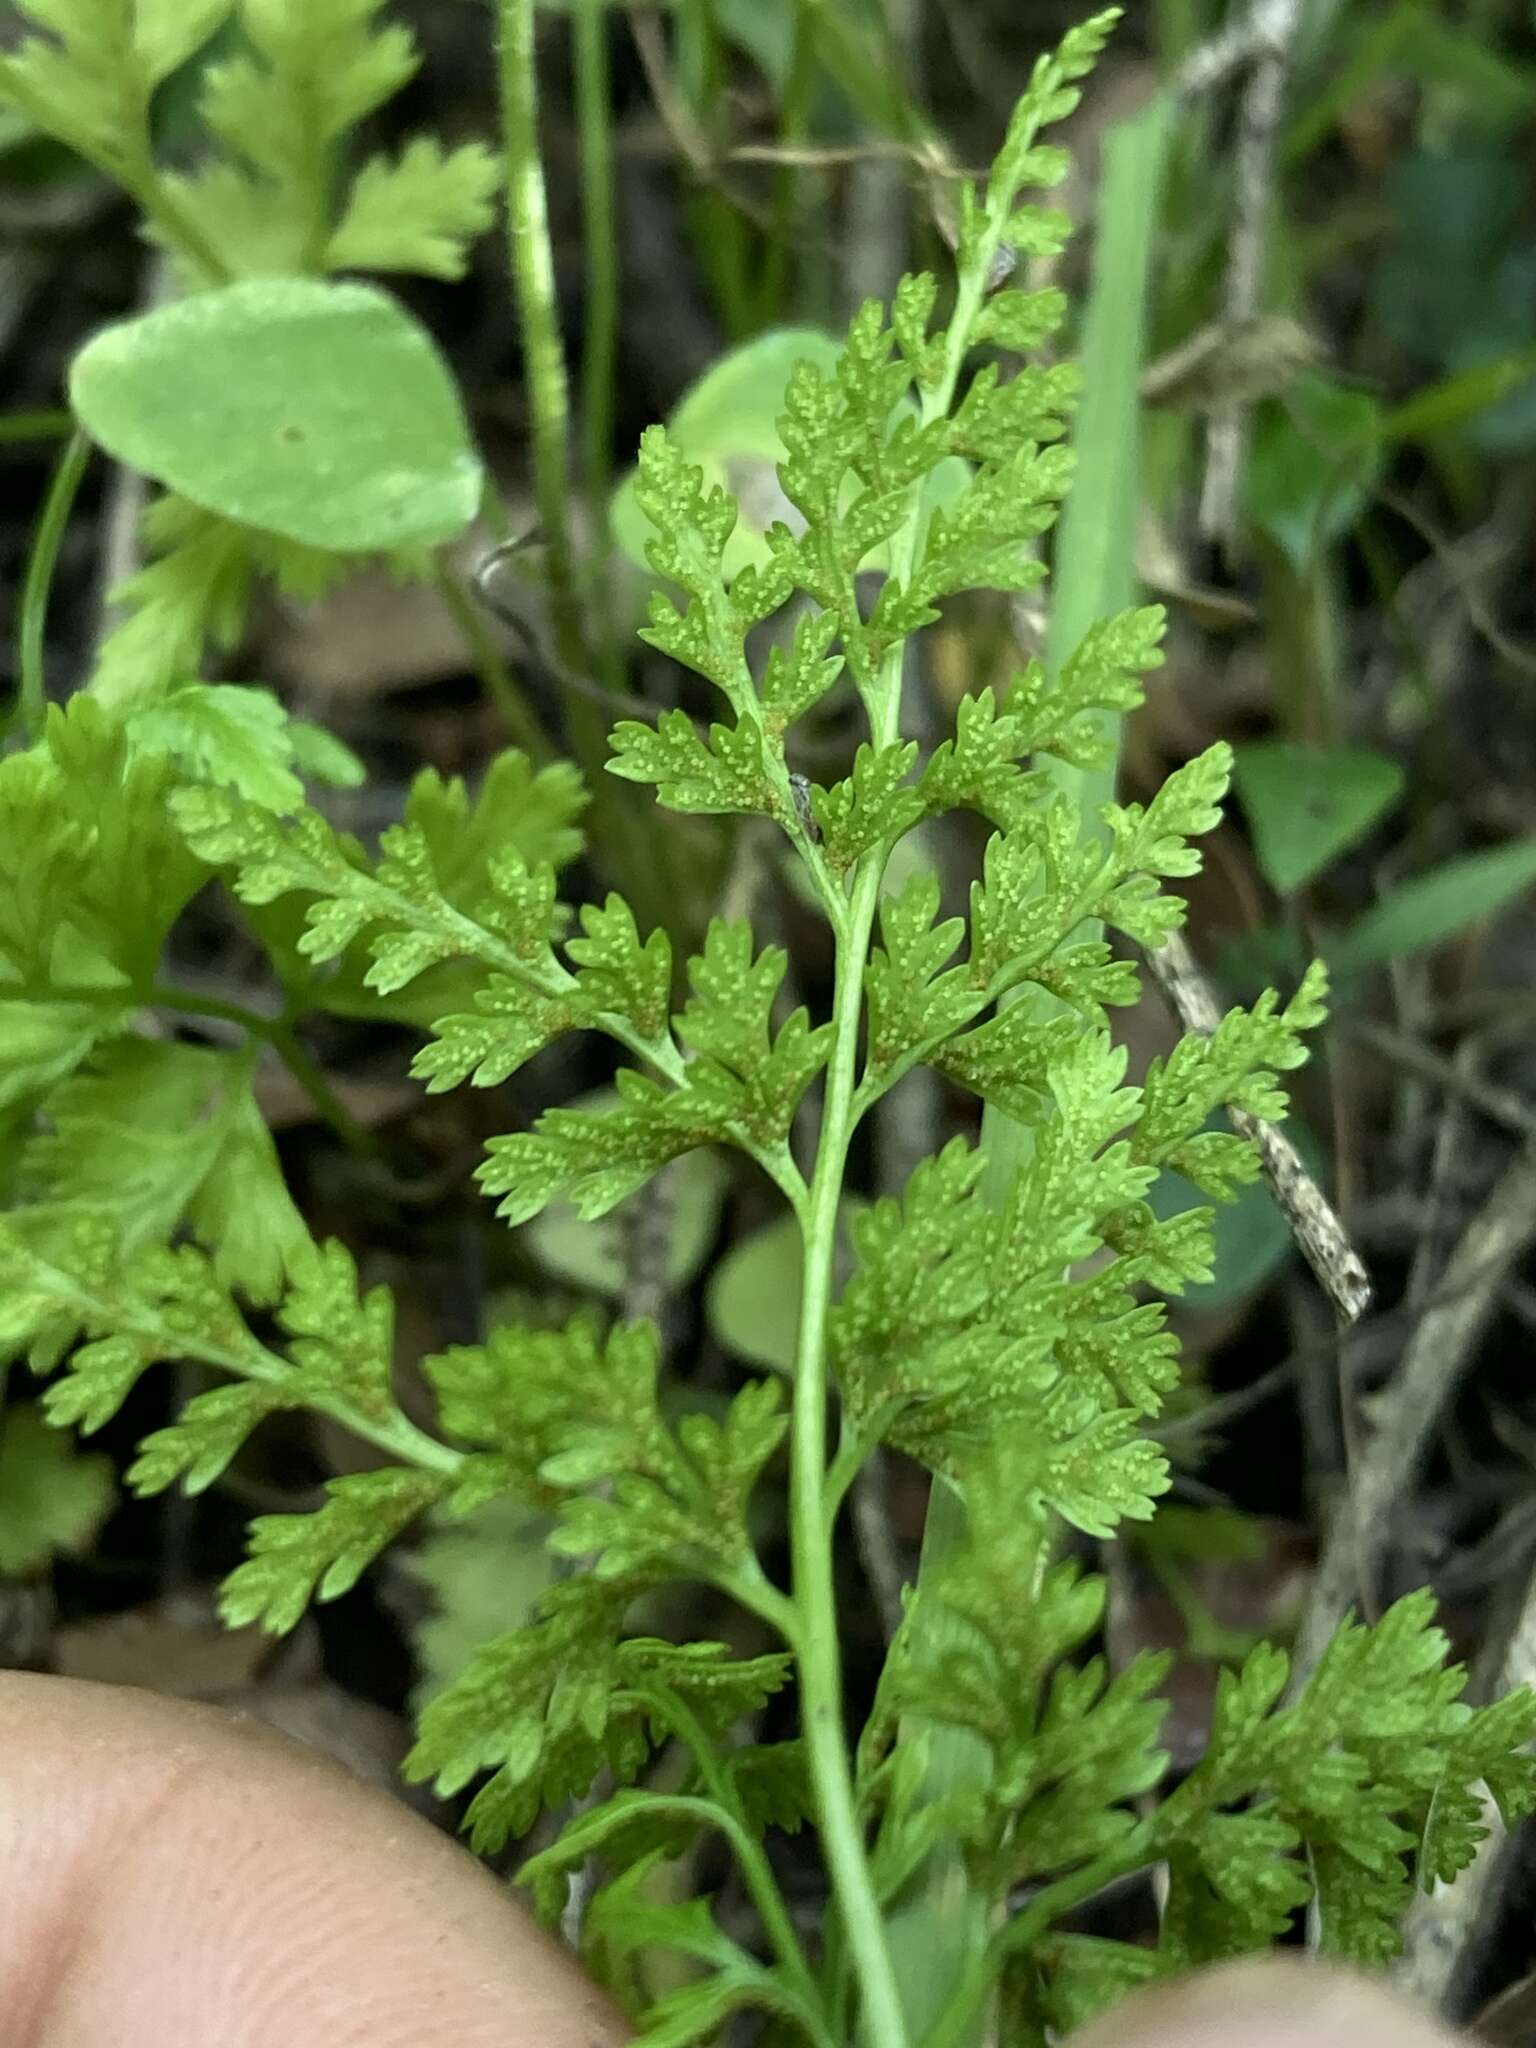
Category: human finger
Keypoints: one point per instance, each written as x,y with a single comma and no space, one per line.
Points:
171,1876
1271,2002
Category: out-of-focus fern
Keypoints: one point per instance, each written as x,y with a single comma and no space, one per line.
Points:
280,193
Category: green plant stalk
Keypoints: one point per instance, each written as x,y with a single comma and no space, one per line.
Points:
719,232
533,276
1301,631
942,1927
959,2022
626,848
794,129
32,689
36,426
599,353
818,1648
869,68
756,1870
312,175
1176,27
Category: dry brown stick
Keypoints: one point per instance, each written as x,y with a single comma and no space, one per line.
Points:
688,135
1230,50
1435,1360
1314,1224
1273,25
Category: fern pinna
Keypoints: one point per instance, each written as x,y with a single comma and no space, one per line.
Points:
1017,1349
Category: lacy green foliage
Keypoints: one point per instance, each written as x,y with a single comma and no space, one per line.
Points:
1373,1770
151,1137
548,1707
93,873
301,78
557,1413
279,101
1367,1781
163,1136
1018,1349
91,79
52,1497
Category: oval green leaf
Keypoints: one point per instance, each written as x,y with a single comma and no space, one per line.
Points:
1312,465
753,1302
1306,805
319,411
753,1299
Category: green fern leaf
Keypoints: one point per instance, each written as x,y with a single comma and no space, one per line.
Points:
92,80
297,1559
417,212
235,736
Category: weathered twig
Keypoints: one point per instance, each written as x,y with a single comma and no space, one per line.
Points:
1314,1224
1232,49
1272,25
687,132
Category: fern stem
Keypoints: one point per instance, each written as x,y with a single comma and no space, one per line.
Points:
752,1860
626,849
1094,576
819,1653
31,705
533,276
599,353
888,1994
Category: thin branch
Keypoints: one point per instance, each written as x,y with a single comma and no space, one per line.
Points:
1211,63
693,145
1272,26
1314,1223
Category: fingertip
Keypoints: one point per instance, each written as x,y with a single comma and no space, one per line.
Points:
1266,2002
171,1876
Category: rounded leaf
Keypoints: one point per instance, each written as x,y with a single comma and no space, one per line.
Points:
1307,805
322,412
753,1298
